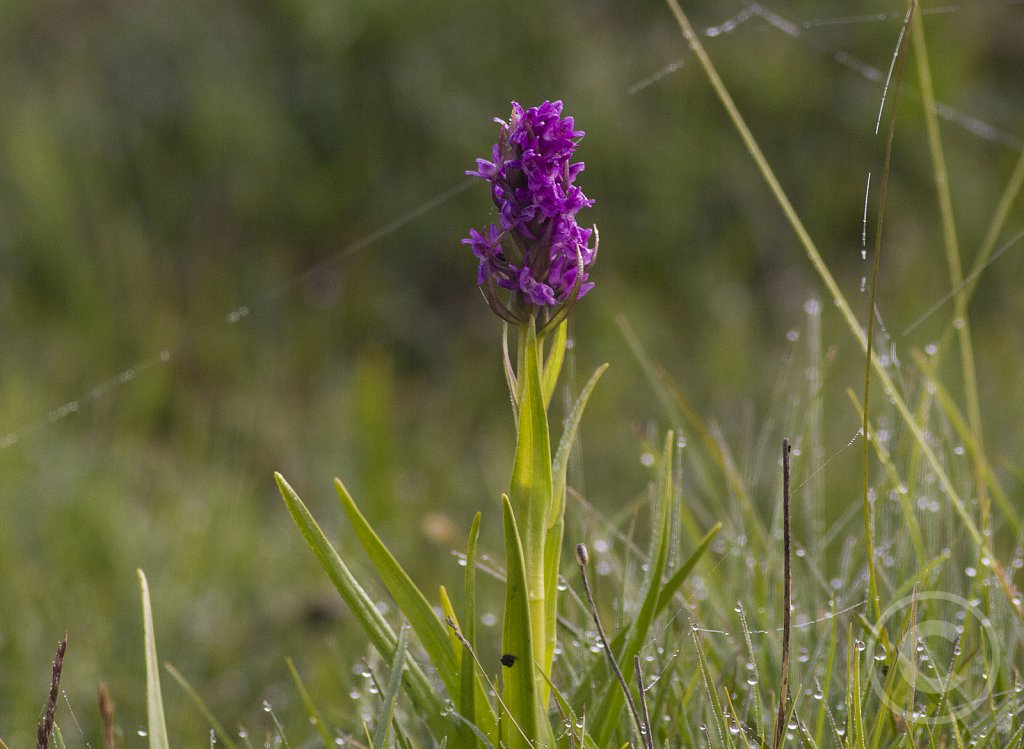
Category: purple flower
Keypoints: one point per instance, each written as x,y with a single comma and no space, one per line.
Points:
536,250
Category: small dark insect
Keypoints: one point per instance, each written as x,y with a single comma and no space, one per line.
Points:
507,660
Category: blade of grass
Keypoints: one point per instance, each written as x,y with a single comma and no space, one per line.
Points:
468,677
611,704
382,734
680,411
869,526
189,690
952,245
157,728
308,703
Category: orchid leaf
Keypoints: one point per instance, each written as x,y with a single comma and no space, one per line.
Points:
383,638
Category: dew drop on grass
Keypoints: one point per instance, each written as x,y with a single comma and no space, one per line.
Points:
818,694
793,336
267,707
142,732
734,727
971,572
791,725
860,645
647,459
931,349
488,620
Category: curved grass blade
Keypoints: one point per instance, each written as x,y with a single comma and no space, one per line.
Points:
157,727
414,605
382,735
424,695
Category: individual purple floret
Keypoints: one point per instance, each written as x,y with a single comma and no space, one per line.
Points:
536,250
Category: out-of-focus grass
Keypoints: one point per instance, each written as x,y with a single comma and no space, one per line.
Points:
164,165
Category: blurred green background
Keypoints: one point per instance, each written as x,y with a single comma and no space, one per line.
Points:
229,239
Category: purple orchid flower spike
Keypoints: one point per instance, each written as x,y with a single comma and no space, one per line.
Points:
536,251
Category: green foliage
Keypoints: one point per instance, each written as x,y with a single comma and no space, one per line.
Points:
157,729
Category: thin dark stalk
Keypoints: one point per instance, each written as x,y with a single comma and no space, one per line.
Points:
646,734
787,599
46,724
582,557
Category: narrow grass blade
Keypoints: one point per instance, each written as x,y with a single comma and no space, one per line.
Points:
611,704
224,736
424,695
307,701
382,735
674,583
414,605
467,674
154,700
668,590
679,409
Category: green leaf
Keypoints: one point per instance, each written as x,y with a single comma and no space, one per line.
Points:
560,466
154,700
530,491
467,701
553,363
427,701
382,735
675,582
611,705
522,723
428,628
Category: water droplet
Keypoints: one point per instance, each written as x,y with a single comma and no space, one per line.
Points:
488,620
142,732
812,306
647,459
970,572
734,727
793,336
